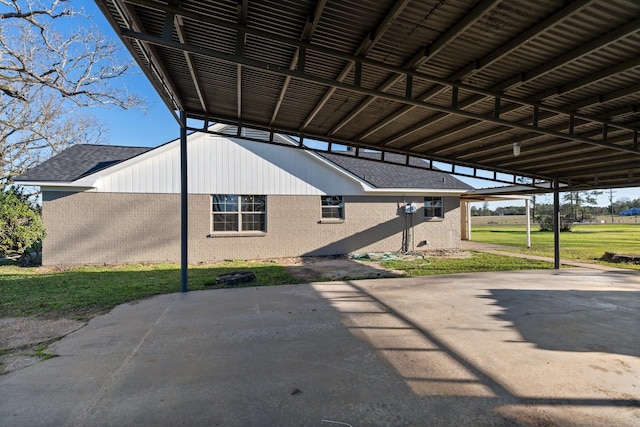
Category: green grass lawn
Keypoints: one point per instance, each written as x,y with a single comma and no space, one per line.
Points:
475,263
85,291
585,243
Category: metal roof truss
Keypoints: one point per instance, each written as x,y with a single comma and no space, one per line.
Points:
450,81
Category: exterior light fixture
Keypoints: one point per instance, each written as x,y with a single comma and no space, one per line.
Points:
516,149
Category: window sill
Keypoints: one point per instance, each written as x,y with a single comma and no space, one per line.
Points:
434,219
238,234
331,221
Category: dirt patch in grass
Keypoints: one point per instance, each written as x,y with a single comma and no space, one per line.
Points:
448,253
342,267
339,267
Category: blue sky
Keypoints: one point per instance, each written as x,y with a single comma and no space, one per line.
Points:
157,125
133,127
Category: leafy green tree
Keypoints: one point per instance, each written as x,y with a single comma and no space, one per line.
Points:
485,209
578,202
21,227
510,210
546,223
623,204
529,181
543,209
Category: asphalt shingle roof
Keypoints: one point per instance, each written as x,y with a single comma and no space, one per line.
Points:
80,160
390,175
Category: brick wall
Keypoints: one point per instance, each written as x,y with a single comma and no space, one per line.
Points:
98,228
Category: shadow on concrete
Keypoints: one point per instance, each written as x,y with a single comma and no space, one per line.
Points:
432,367
592,321
428,367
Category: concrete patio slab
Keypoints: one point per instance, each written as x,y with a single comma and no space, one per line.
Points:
516,348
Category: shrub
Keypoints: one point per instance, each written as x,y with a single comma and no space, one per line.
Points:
546,223
21,227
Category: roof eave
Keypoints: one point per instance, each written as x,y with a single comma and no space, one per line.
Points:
417,191
57,185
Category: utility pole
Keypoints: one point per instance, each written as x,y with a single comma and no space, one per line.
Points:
611,203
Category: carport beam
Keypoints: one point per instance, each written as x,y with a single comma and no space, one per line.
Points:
183,202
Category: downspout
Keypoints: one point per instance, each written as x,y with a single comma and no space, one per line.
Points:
183,203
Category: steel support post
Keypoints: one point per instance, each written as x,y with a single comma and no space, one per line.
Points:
556,224
183,203
527,209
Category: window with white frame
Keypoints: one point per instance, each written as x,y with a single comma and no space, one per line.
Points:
433,207
232,212
332,207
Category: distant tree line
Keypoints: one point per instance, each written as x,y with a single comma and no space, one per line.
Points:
508,210
623,204
575,206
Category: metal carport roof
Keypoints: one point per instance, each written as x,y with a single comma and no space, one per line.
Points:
458,81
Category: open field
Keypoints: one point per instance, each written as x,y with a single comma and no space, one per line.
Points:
521,220
586,243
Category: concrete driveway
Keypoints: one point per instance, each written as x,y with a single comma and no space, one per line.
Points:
517,348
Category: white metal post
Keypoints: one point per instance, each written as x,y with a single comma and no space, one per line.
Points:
526,208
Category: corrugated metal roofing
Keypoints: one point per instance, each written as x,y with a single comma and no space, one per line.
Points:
458,81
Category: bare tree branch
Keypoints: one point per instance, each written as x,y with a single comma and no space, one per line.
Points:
49,75
30,14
